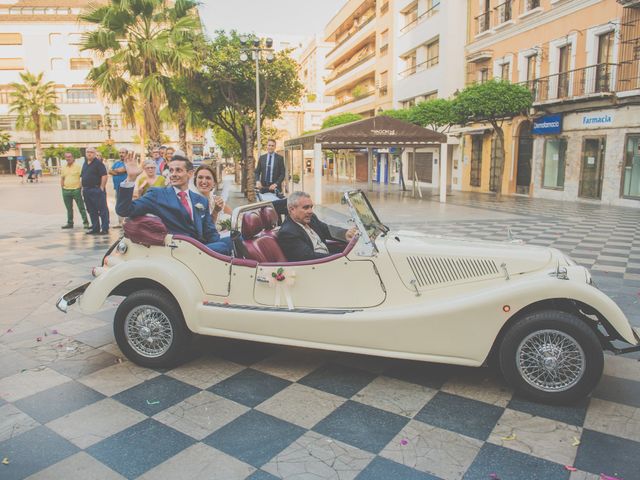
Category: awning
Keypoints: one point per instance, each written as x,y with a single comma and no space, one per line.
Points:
377,132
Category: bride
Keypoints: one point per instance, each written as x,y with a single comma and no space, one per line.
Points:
206,183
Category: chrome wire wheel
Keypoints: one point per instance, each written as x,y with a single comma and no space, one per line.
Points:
550,360
148,331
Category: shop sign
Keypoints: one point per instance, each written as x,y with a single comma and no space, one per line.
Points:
591,120
547,125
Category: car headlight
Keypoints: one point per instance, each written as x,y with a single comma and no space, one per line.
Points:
122,247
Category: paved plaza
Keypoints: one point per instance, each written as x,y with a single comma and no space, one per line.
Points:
72,407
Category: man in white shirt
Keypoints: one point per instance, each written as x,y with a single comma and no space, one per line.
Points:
37,169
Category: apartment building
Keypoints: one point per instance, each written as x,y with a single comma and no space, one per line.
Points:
579,59
429,51
45,36
361,62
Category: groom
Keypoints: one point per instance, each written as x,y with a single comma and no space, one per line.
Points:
181,210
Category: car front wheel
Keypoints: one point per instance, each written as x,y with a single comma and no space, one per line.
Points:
552,357
150,329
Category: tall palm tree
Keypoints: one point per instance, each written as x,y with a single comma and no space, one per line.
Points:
34,100
143,44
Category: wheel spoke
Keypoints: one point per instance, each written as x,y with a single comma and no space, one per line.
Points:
148,331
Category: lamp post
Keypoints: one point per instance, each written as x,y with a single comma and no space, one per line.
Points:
107,124
254,45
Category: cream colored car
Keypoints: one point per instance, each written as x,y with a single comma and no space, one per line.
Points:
399,294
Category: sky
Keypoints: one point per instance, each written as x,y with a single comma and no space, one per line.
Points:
269,17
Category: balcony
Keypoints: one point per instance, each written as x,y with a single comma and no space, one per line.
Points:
356,34
424,77
350,72
430,62
422,17
352,103
595,80
483,23
503,13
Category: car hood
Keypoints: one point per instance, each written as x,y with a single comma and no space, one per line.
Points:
426,261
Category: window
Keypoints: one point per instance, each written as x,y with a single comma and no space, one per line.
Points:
61,124
11,64
409,64
384,83
408,103
564,54
476,160
483,75
531,67
85,122
505,72
10,39
555,150
531,4
433,52
57,64
631,169
81,95
75,38
55,39
430,95
5,96
8,122
384,8
80,63
410,16
604,61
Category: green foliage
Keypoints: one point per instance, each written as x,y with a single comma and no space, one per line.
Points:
107,151
340,119
34,101
359,91
5,140
227,143
59,151
437,114
403,114
145,43
491,101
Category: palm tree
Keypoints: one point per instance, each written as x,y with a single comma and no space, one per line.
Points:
35,103
144,43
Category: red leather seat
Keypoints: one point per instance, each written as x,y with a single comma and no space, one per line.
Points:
269,218
260,246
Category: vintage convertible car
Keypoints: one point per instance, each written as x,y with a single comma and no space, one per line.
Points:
530,310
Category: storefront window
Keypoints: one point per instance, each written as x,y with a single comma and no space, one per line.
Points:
631,173
554,161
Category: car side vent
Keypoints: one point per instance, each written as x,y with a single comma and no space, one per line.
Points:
437,270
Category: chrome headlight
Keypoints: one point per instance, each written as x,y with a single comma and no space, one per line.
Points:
122,247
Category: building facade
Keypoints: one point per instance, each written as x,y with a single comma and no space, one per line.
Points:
361,62
579,59
45,36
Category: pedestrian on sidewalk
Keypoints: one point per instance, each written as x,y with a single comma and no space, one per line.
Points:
70,183
20,171
94,182
37,170
119,175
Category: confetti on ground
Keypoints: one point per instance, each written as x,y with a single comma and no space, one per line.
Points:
10,330
494,476
54,332
39,339
153,402
608,477
119,360
576,441
510,437
570,468
404,441
5,461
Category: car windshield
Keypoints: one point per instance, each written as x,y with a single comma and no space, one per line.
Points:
364,215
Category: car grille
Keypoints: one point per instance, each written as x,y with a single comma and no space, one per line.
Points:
438,270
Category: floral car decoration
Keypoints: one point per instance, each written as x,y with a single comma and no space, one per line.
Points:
530,310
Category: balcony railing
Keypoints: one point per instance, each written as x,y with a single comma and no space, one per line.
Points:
503,12
430,62
429,13
483,22
338,72
574,83
351,99
351,33
528,5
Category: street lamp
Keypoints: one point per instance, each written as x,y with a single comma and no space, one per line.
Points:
254,46
107,124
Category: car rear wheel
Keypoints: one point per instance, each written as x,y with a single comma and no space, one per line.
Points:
150,329
552,357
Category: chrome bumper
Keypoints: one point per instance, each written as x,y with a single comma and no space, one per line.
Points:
70,298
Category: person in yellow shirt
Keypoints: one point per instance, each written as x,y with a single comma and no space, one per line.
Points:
71,190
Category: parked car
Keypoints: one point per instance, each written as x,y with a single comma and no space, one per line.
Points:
400,294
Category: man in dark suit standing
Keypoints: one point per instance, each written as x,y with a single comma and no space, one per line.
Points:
302,236
180,209
270,171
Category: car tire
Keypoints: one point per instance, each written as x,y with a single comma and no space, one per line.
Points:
551,357
150,329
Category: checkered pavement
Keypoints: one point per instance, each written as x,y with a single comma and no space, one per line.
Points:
72,407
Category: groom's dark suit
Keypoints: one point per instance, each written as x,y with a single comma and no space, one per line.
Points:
270,170
164,203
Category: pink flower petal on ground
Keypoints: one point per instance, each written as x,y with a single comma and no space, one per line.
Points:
10,330
570,468
608,477
54,332
404,441
494,476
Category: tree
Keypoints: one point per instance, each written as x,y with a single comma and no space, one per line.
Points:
340,119
58,152
224,94
437,114
493,102
144,43
107,150
5,142
34,101
403,114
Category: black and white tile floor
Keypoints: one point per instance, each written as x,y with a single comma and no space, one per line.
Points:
72,407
